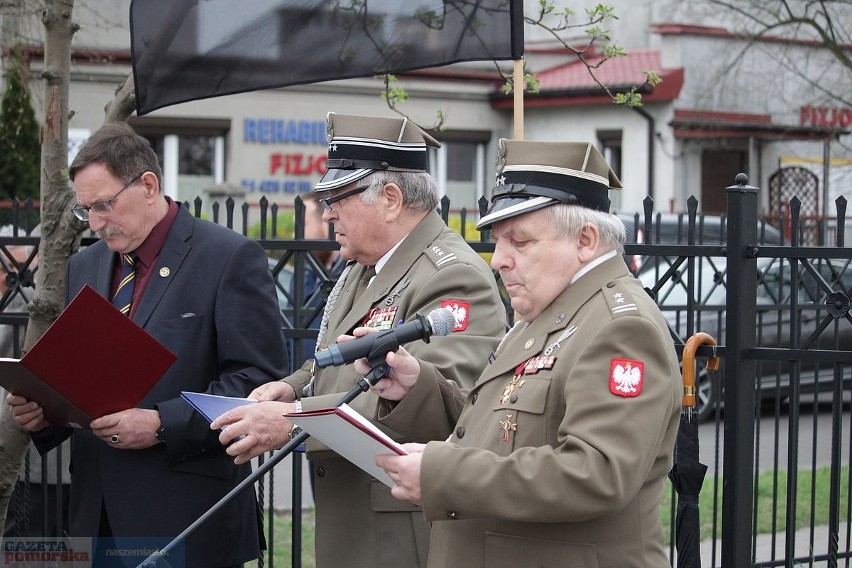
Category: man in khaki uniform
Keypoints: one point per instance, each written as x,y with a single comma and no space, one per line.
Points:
403,261
561,452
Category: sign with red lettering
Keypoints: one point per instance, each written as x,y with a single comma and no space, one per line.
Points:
825,117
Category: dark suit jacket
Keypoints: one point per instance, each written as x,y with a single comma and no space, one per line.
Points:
211,301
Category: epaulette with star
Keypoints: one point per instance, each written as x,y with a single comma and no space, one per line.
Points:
440,255
619,299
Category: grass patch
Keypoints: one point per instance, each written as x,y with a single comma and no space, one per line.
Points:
812,508
812,501
281,540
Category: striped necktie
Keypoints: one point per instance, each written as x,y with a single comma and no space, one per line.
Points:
124,293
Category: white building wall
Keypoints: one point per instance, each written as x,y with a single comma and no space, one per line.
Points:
720,75
584,123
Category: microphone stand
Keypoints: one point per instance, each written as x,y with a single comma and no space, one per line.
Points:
378,370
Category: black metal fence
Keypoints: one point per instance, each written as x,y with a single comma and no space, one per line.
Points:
779,311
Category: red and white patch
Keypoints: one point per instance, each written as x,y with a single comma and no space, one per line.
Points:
626,377
461,311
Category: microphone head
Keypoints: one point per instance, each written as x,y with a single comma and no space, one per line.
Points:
442,321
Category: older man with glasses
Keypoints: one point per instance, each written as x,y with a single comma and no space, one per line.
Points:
142,475
403,261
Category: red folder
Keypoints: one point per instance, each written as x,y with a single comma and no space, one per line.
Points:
92,361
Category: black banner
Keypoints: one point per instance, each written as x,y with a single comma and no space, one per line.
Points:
186,50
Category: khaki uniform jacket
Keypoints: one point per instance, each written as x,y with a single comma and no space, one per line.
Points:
561,471
358,522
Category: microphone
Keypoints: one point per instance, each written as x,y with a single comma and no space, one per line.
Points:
440,322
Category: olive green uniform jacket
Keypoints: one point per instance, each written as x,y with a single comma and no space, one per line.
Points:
358,522
568,468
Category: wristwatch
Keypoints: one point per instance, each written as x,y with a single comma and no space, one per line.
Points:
295,431
160,434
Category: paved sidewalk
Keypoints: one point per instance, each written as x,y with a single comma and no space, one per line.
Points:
763,547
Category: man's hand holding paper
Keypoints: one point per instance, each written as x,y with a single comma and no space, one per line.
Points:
254,429
275,390
28,415
404,471
131,429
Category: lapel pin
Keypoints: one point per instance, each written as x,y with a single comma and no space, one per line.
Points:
164,272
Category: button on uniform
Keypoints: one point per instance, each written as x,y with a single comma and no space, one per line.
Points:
460,432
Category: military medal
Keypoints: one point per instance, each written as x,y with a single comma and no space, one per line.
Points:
515,383
381,319
536,364
558,343
508,426
397,291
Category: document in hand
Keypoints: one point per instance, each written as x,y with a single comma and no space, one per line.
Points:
349,434
92,361
211,406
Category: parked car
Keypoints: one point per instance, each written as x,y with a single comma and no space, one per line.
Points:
774,295
673,229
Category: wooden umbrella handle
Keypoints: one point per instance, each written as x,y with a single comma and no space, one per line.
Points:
692,344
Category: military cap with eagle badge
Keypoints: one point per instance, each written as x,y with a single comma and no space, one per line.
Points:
532,175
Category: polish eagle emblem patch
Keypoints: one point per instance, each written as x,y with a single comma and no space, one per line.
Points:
626,377
461,311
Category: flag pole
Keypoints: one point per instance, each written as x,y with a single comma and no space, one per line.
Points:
516,8
518,83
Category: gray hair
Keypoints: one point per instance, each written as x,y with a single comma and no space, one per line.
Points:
419,189
570,220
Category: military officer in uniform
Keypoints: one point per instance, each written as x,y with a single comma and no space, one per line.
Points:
403,261
561,452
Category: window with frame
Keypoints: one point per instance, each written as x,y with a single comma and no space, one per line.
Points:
191,154
459,167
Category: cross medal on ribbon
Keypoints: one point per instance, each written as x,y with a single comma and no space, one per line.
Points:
515,383
508,426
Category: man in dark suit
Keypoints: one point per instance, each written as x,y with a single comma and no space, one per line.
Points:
206,293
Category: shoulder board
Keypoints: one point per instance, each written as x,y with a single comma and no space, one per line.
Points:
619,299
440,254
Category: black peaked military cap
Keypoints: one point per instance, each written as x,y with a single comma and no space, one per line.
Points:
359,145
533,175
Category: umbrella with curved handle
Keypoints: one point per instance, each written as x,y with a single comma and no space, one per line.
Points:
692,345
687,474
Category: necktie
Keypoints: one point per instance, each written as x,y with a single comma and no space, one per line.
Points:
124,293
369,272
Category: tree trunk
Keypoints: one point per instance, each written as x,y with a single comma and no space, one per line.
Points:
60,231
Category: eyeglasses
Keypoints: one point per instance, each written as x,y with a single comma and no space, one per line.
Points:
101,208
327,202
